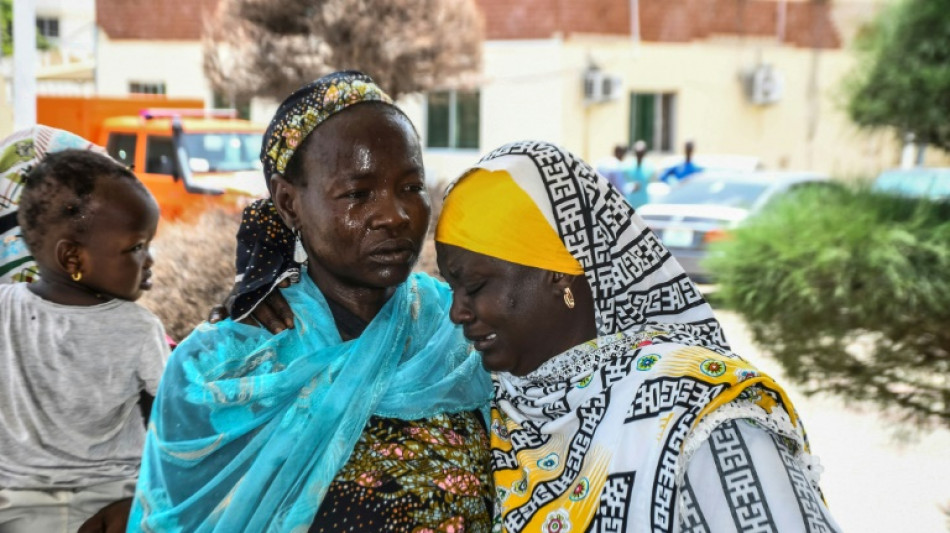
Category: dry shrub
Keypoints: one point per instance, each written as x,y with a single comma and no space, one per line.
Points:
271,47
194,270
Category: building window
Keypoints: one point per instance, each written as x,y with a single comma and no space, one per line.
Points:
142,87
452,119
48,27
241,105
652,118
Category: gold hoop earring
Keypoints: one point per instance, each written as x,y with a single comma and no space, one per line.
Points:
76,276
568,298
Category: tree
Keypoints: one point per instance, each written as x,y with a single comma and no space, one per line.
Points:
272,47
6,30
849,291
903,78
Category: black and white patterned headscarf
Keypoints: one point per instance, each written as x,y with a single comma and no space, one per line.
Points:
634,278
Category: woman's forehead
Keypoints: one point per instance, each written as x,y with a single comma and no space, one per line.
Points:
361,143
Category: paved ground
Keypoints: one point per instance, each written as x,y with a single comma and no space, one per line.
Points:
875,479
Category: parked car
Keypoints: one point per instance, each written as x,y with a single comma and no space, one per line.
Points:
704,208
657,190
918,182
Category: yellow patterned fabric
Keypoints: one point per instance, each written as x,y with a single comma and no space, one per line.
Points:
563,455
489,213
602,437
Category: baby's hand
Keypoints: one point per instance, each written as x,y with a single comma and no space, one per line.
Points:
110,519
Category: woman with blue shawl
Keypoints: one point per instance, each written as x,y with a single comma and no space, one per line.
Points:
362,416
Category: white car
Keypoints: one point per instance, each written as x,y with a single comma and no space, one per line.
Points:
917,182
703,208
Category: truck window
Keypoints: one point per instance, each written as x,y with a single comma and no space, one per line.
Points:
223,151
159,155
121,147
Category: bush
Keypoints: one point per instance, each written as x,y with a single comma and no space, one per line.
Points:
193,271
851,292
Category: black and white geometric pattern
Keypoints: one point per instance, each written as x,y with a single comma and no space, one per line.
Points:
612,515
633,277
590,415
808,503
692,519
644,304
740,482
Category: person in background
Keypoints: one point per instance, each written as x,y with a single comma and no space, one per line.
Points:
618,405
640,173
76,353
677,173
611,167
363,413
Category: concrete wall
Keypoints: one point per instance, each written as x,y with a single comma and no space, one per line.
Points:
521,98
533,89
77,20
177,63
806,129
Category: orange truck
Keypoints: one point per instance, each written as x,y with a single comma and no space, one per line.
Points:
191,159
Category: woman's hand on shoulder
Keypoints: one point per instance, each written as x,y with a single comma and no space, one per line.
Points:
273,313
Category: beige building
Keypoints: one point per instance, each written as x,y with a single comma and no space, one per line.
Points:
760,80
152,47
66,67
757,79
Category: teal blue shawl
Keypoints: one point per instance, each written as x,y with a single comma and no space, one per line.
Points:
249,429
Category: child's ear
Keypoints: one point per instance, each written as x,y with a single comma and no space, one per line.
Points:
69,256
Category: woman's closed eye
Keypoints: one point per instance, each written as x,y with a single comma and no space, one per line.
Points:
473,288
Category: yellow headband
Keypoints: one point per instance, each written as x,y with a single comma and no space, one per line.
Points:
488,213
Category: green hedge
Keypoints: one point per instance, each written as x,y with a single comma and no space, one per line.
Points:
851,292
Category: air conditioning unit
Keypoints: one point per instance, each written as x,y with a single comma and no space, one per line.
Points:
611,86
764,85
601,87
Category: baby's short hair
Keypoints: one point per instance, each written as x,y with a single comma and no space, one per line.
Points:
58,189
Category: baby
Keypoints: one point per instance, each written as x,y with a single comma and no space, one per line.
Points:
76,353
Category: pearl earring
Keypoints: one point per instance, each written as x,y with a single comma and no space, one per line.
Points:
300,254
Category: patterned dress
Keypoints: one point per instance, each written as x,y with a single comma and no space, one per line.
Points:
428,475
421,476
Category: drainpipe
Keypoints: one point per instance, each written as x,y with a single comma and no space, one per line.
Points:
24,64
781,16
635,21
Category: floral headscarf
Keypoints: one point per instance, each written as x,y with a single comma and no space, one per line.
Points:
265,243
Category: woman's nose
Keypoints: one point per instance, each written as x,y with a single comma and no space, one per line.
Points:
391,212
460,313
